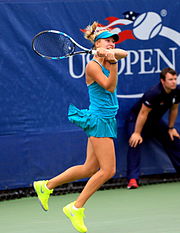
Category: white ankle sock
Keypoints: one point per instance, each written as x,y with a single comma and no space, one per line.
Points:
75,208
46,187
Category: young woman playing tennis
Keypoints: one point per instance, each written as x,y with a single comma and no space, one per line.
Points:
98,122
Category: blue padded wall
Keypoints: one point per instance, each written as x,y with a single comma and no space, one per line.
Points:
36,139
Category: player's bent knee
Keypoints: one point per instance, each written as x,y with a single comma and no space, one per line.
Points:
90,171
113,172
109,174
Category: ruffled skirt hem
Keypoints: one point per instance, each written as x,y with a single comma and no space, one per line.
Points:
92,124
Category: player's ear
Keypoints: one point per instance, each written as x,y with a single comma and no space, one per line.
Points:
97,43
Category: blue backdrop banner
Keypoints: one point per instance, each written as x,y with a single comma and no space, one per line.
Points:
36,139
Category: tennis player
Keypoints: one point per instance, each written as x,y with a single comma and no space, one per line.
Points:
98,122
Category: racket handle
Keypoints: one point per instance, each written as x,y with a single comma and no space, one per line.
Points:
93,52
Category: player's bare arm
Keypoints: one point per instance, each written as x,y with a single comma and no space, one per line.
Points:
95,74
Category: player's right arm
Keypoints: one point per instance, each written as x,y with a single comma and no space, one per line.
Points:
119,53
136,137
94,74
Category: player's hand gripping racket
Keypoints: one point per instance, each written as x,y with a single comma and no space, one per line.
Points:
53,44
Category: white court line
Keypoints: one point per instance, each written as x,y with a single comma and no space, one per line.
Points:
130,96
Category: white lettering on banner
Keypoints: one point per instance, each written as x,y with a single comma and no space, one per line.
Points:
148,60
161,55
71,67
131,59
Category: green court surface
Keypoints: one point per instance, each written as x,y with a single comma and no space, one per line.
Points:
149,209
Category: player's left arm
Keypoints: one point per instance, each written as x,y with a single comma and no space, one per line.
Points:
119,53
173,112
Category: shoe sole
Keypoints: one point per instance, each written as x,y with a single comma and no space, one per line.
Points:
66,212
132,187
35,188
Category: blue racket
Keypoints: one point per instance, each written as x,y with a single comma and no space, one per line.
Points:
54,44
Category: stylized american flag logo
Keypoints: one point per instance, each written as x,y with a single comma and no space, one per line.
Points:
124,29
137,26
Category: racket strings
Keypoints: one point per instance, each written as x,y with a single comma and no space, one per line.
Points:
53,45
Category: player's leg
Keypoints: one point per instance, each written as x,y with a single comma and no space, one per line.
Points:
76,215
44,188
105,154
77,172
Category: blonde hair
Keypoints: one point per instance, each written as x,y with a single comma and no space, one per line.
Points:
93,30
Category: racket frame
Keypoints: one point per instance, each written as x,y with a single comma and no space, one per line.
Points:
84,50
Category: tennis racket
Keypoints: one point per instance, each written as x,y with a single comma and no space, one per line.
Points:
53,44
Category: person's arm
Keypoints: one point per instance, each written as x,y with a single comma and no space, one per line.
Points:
119,53
136,138
94,72
173,112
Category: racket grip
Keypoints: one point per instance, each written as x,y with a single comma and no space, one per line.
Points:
93,52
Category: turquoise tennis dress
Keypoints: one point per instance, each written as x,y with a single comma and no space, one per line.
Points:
99,120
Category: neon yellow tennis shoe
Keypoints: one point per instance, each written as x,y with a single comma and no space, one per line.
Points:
76,217
43,193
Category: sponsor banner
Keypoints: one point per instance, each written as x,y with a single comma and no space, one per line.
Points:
36,93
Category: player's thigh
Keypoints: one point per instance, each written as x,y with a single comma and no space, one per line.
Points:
91,159
104,151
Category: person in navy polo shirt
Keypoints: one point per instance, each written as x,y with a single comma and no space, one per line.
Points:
145,121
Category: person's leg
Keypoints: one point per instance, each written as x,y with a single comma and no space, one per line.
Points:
103,149
133,156
172,148
105,154
133,162
173,151
44,188
77,172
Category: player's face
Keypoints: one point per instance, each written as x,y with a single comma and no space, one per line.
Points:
107,43
170,82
